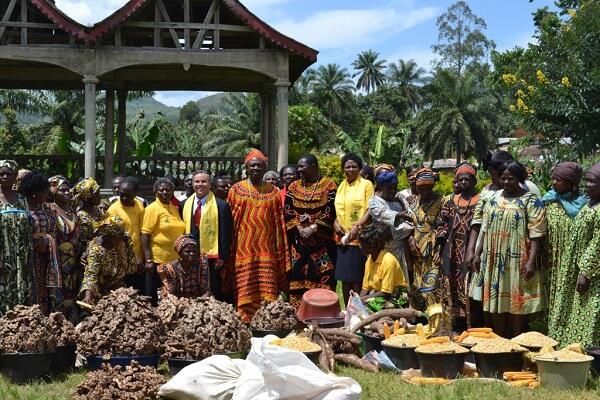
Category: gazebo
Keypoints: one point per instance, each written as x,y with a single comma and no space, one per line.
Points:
208,45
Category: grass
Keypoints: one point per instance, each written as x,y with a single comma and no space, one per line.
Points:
381,386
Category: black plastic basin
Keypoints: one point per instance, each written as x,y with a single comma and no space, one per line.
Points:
177,364
26,367
372,343
402,357
95,362
448,366
595,352
493,365
64,359
281,333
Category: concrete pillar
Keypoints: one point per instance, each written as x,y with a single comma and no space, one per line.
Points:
122,127
265,104
272,132
109,142
281,115
90,82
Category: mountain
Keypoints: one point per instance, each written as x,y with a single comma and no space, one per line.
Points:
214,102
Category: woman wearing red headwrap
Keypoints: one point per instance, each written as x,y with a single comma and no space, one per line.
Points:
454,223
425,208
583,257
259,245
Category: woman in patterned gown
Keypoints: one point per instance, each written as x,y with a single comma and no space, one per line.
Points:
563,203
259,246
514,222
583,256
309,213
88,192
15,241
425,208
47,280
454,223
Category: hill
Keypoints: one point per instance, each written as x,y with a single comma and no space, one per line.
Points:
214,102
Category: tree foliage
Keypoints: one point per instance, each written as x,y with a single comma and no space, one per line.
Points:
370,71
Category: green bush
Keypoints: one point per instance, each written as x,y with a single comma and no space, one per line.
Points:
330,166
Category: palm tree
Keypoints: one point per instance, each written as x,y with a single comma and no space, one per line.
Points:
370,70
460,115
407,76
23,101
332,87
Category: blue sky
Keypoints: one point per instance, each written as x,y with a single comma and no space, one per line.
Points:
340,29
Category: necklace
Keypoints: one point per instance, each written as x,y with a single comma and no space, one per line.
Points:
314,188
254,186
464,210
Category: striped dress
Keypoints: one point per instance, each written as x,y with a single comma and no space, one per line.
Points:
260,257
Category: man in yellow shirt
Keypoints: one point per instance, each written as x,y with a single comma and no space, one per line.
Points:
131,211
383,274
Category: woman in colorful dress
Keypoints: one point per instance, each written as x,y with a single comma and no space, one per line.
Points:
563,203
67,242
88,193
309,214
188,276
583,257
260,258
454,223
47,280
388,208
513,225
352,212
110,258
425,208
15,241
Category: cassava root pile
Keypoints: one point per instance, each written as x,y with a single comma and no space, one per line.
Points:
62,329
25,330
275,315
132,383
199,328
122,323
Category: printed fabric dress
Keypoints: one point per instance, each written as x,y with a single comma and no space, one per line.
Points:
313,258
15,253
560,276
426,283
583,255
260,257
177,282
454,223
47,278
508,226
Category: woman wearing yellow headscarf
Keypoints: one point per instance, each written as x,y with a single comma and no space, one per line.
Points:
88,193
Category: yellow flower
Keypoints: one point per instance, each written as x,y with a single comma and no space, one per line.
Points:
512,108
565,81
509,79
541,78
523,82
572,13
520,93
531,89
520,104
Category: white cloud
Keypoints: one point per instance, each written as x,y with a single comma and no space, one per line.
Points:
345,29
179,98
88,12
423,57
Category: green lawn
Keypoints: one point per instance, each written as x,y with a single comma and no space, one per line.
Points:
382,386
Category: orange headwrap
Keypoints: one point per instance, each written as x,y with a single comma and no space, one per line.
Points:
425,177
256,154
465,168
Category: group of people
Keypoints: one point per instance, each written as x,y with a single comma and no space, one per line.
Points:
493,258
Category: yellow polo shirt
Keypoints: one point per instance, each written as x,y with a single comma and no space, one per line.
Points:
132,217
384,274
352,201
164,225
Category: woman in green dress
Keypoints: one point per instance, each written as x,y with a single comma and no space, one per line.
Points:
563,203
514,221
583,256
15,241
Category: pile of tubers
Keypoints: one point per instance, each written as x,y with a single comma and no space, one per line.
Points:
26,330
123,323
62,329
275,316
200,328
132,383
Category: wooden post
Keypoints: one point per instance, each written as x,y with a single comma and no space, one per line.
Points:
281,114
23,19
157,38
90,82
121,127
217,31
109,142
186,18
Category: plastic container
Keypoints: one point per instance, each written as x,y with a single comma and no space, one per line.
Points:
470,357
26,367
371,343
326,322
447,365
319,303
563,374
493,365
95,362
313,356
281,333
595,352
64,359
402,357
177,364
